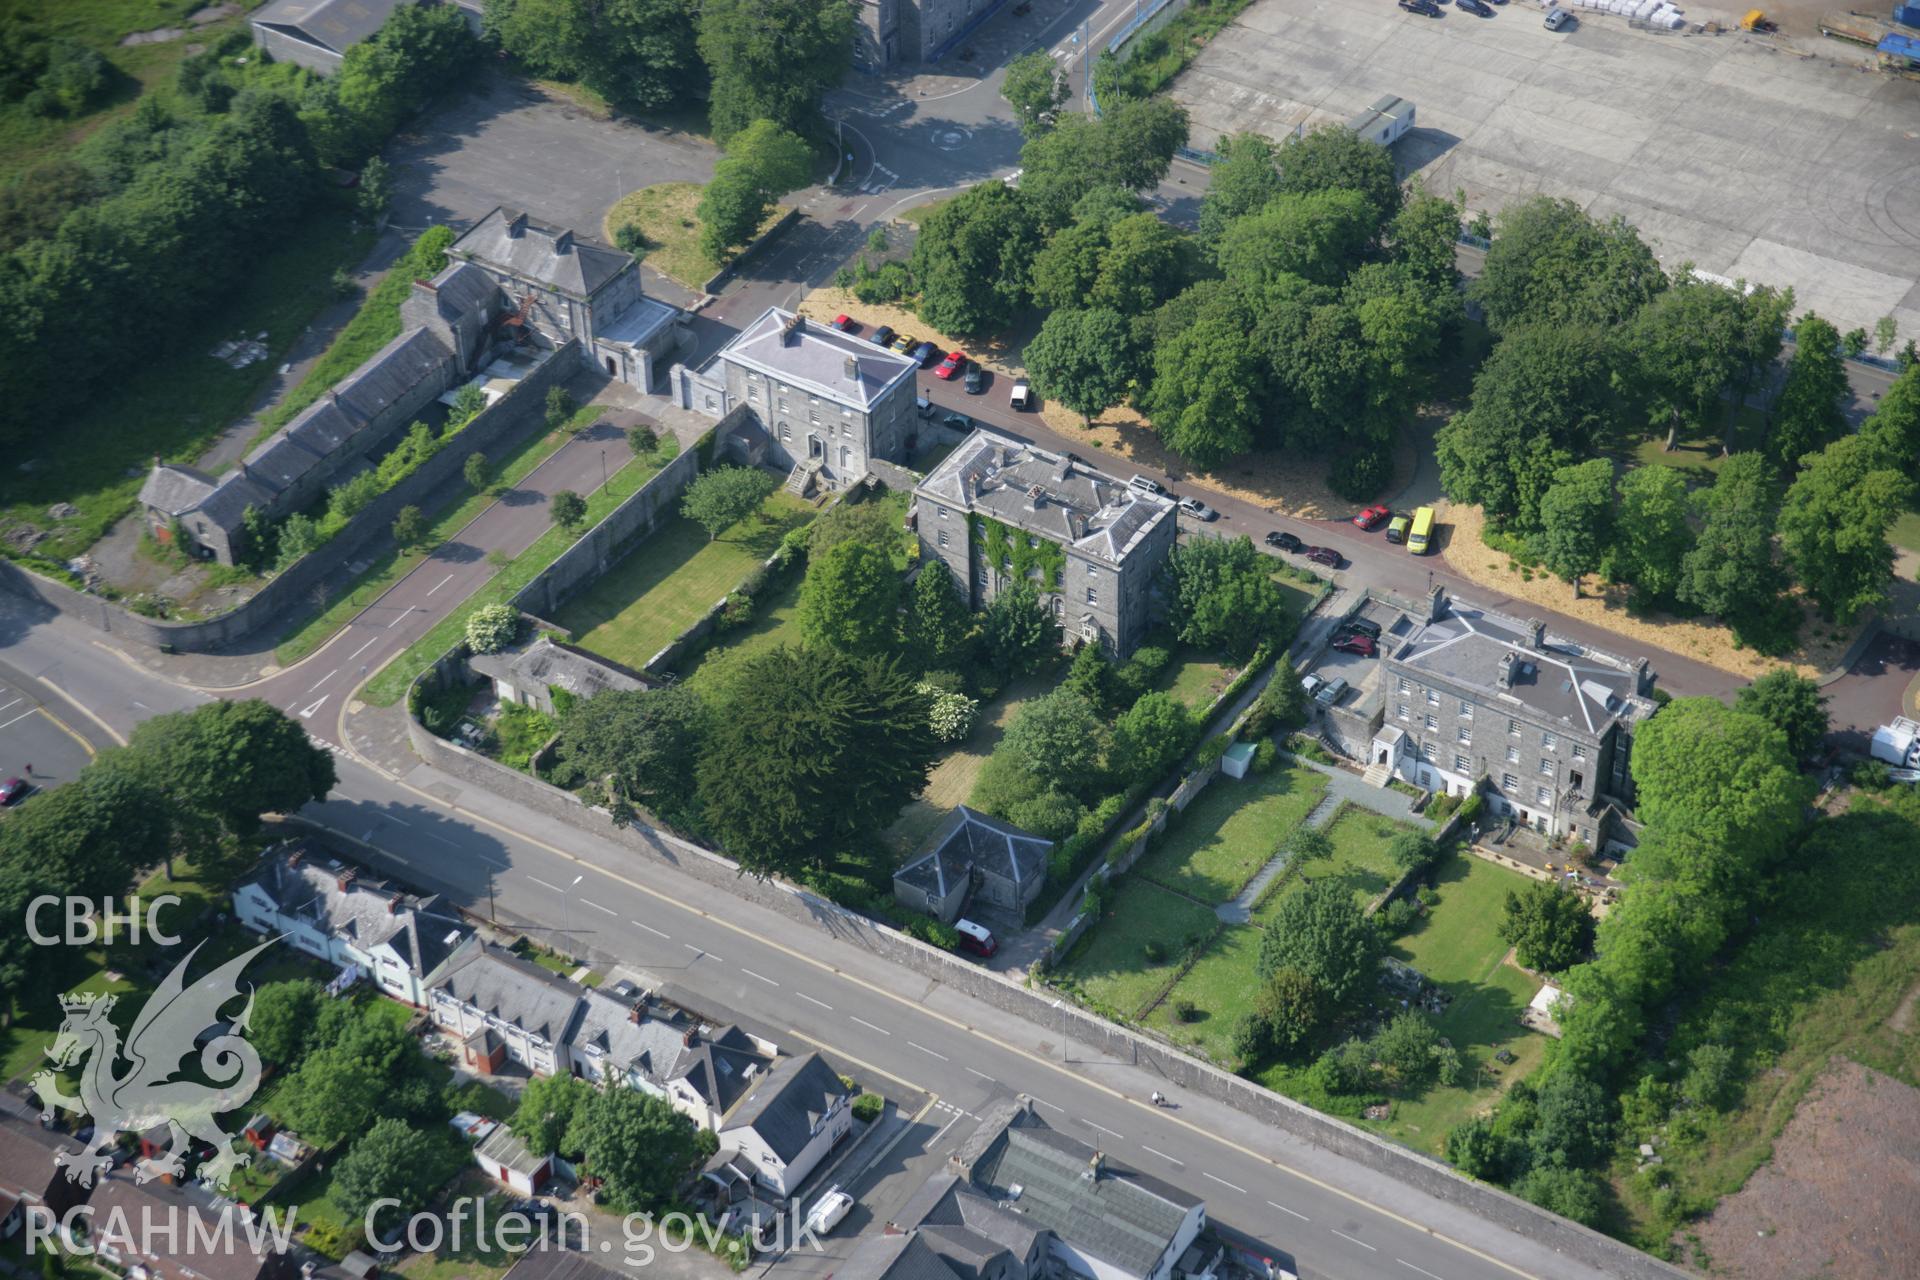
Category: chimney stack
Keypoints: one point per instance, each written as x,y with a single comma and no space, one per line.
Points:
1506,670
1536,633
345,880
1643,678
1036,497
790,332
516,223
691,1037
1436,603
853,369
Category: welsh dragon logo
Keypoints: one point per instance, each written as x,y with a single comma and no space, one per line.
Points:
177,1019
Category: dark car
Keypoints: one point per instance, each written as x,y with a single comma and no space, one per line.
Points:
14,790
1361,626
882,337
1322,555
1362,645
1372,517
1282,541
924,353
976,380
1427,7
1478,8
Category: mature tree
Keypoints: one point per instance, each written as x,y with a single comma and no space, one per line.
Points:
1284,699
409,527
1244,178
1573,1122
372,1069
1034,88
1835,520
938,627
1424,234
1808,415
1790,703
1896,422
850,600
1083,359
1721,789
1055,738
877,524
762,163
810,751
1542,401
1405,1048
1224,597
1571,1193
283,1019
1066,270
1092,677
1146,262
1322,932
642,743
560,406
1731,570
477,471
642,439
1651,534
1289,1004
1332,157
973,260
638,53
549,1107
639,1146
492,627
568,510
723,497
1308,845
1150,737
1549,925
1317,235
1576,520
395,1162
1412,851
1687,346
772,60
1015,631
1205,398
1552,263
1130,147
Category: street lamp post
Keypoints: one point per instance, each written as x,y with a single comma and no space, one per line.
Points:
566,907
1061,1005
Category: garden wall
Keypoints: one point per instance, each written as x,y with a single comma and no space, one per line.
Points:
286,594
1037,1006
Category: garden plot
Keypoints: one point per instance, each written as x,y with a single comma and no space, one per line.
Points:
1233,829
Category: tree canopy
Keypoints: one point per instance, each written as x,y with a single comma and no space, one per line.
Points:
850,600
393,1161
772,60
1576,520
639,1146
1651,535
1807,416
1790,703
1056,738
1552,263
1083,359
1332,157
1224,597
1150,737
762,163
1731,571
718,499
1835,520
637,53
1034,88
1549,925
1322,932
641,742
974,258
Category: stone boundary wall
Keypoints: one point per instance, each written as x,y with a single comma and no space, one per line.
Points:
718,280
1036,1006
285,595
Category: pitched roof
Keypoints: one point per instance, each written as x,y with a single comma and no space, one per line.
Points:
335,24
175,489
227,505
953,1213
516,245
508,1150
544,662
815,357
304,881
280,461
393,372
325,425
517,992
462,288
895,1257
121,1205
719,1064
789,1104
971,839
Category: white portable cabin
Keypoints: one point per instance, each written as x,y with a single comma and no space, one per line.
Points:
1898,743
1385,122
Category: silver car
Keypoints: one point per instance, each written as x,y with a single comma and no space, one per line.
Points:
1557,18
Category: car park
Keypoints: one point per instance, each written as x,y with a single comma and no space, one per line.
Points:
883,336
1021,397
904,343
1310,684
1427,7
1357,643
976,938
1281,540
924,354
951,366
1373,517
846,324
1322,555
14,790
976,380
1332,691
1360,626
829,1210
1198,509
1140,484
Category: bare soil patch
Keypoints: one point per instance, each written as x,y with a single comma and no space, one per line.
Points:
1821,645
1837,1199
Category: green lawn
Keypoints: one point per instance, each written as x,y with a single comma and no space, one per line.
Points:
1220,987
174,403
1906,531
1231,831
389,684
1109,968
1360,838
666,215
1195,678
774,615
672,578
954,774
1699,458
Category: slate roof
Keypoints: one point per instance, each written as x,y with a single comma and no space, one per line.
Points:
971,839
120,1205
813,356
789,1104
325,425
175,489
1120,1216
956,1216
393,372
517,992
462,288
1056,496
304,881
525,248
336,24
546,663
716,1065
227,505
280,461
895,1257
1558,680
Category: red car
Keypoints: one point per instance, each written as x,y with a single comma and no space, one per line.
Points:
846,324
1322,555
14,790
951,367
1373,517
1357,643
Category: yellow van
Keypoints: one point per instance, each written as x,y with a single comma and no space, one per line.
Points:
1421,535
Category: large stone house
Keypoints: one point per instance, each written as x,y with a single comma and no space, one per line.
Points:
817,403
997,510
890,32
974,853
1470,695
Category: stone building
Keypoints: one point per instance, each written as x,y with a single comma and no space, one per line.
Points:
316,34
818,403
1469,695
975,853
889,32
997,510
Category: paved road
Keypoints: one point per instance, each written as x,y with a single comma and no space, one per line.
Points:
39,741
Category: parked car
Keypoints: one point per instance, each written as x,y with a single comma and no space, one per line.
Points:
1478,8
1281,540
976,380
1198,509
925,353
1322,555
1140,484
905,343
1021,397
1397,529
1427,7
1557,18
882,337
1310,684
1372,517
976,938
951,366
14,790
846,323
1332,691
1361,626
1357,643
829,1210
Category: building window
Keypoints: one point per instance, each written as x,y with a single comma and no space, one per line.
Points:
813,400
1461,764
1405,687
1513,727
1579,752
783,404
813,416
1466,709
1546,766
1432,723
942,511
943,537
753,393
1433,699
785,432
1548,741
1508,782
1513,755
1404,713
1093,597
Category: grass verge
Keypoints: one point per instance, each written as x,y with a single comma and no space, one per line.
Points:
665,215
1110,969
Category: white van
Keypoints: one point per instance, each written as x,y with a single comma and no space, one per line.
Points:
1022,397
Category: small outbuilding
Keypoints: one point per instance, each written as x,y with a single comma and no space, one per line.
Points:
529,672
1006,866
509,1160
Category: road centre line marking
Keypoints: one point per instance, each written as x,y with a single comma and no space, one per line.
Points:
22,716
1223,1182
696,950
1043,1102
932,1097
1163,1155
543,884
810,1000
1102,1128
363,648
323,679
597,907
1295,1212
16,702
869,1026
443,582
930,1053
1422,1270
983,1075
1362,1243
763,977
650,929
